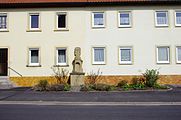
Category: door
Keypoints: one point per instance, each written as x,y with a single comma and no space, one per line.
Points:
3,61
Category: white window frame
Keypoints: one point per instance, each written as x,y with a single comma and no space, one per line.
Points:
6,29
98,26
130,18
34,64
176,18
126,62
161,25
177,61
102,62
30,14
168,51
66,20
61,48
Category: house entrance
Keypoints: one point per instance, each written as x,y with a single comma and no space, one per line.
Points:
3,61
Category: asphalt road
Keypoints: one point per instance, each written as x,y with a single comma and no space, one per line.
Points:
37,112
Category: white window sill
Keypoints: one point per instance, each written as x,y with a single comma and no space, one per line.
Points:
99,63
124,26
61,29
161,25
97,27
33,65
163,62
178,62
125,63
65,65
177,25
34,30
4,30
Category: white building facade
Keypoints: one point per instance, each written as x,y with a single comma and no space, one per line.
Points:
120,40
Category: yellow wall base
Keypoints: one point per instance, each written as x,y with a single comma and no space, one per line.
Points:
111,80
31,81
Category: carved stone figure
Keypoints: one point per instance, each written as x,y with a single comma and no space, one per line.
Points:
77,62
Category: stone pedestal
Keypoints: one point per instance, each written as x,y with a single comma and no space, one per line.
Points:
77,75
76,79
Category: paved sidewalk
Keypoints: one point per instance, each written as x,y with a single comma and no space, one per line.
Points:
26,94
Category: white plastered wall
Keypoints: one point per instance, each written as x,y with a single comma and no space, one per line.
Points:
143,36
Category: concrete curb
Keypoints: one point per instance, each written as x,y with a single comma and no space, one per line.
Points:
90,103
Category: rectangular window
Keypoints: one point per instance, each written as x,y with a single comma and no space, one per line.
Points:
3,21
178,18
125,55
98,19
34,21
34,56
61,56
124,19
163,54
161,18
61,21
178,54
99,55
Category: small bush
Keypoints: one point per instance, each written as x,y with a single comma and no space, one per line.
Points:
41,86
94,77
122,83
151,77
138,80
102,87
60,74
56,87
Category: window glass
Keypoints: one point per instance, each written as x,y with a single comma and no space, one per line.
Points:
125,54
99,54
34,21
124,19
162,54
62,21
3,21
61,56
178,53
161,18
98,19
178,18
34,56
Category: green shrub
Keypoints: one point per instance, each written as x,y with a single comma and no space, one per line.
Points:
87,88
67,87
157,86
98,87
112,88
41,86
151,77
126,87
138,86
122,83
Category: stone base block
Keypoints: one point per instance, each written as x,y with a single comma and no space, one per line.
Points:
76,80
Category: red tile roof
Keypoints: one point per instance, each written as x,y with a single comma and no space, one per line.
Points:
83,3
75,1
